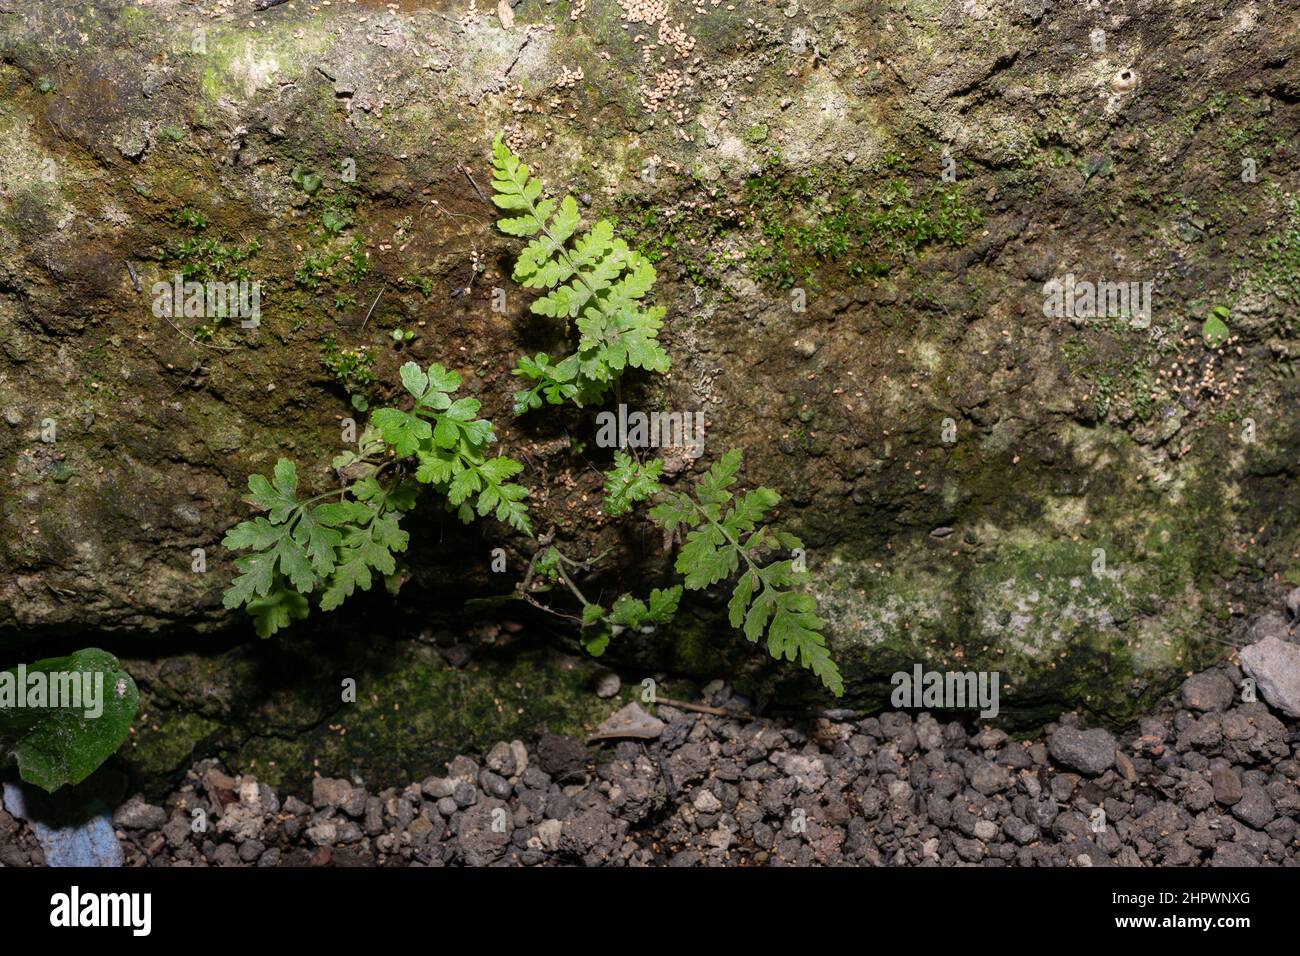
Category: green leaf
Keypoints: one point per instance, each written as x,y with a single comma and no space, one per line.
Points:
280,496
628,611
596,640
462,486
706,557
257,572
306,180
318,540
712,489
594,278
336,514
62,745
794,634
663,604
725,532
294,564
740,598
674,512
628,482
414,379
256,535
446,434
435,466
348,576
1215,329
277,610
401,429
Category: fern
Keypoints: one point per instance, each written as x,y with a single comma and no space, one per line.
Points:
301,546
593,278
450,444
724,534
550,565
628,482
331,548
627,613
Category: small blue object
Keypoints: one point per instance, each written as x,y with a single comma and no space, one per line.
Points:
71,836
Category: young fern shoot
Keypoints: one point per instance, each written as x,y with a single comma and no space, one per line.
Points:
628,482
593,278
551,566
450,445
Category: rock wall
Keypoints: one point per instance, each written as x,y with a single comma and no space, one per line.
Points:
854,208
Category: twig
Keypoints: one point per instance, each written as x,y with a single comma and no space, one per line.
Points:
193,341
564,576
550,610
701,708
465,170
373,304
135,279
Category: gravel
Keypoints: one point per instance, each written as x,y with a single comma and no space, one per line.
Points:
1207,780
1192,785
1210,691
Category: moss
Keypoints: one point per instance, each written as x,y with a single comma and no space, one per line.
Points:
697,646
409,720
162,746
1277,267
800,228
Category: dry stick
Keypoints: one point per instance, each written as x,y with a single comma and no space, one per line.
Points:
702,709
524,589
373,304
195,342
465,170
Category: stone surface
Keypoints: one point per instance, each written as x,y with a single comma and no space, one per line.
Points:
1088,751
1055,430
1275,665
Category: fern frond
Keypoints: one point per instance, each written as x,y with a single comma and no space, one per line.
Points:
629,481
594,278
450,444
724,534
300,547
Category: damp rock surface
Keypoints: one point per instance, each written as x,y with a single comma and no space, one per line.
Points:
919,387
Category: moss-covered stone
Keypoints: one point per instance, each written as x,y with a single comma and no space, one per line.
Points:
921,313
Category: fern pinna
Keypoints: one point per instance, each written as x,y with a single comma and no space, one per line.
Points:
594,278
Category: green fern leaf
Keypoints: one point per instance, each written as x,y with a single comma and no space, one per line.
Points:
594,278
277,610
629,482
723,532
